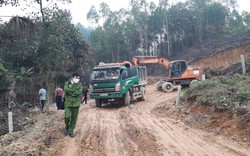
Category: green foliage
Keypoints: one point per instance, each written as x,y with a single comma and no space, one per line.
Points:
23,75
229,81
51,55
236,23
148,29
63,49
242,93
93,16
55,48
4,81
214,19
220,92
246,20
2,69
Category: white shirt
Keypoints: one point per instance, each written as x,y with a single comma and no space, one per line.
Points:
42,93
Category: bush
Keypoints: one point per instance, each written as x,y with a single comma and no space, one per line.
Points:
222,92
242,93
4,81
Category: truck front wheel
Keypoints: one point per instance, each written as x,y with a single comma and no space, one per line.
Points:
143,93
127,99
98,102
158,85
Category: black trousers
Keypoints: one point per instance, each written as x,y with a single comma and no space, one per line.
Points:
84,98
59,103
42,104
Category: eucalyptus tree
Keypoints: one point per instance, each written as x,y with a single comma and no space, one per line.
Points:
64,51
157,28
181,27
130,36
197,8
140,13
100,38
48,41
166,37
153,24
246,20
114,31
108,39
104,10
92,16
110,30
235,22
215,17
229,4
97,41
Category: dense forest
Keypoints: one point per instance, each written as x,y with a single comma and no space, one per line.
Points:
163,30
45,47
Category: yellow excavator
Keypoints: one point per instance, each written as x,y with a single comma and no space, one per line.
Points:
179,73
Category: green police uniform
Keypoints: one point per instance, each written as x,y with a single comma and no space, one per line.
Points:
72,104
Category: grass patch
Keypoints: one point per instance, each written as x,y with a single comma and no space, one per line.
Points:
222,92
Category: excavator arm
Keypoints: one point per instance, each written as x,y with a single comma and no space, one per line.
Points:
138,60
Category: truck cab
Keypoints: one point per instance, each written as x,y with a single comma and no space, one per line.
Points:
117,82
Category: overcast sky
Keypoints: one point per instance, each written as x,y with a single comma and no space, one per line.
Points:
79,8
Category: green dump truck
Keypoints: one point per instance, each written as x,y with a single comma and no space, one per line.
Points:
118,83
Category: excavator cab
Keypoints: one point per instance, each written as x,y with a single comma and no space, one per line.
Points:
177,68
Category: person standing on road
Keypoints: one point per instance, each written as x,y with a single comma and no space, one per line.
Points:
73,91
59,93
84,92
42,97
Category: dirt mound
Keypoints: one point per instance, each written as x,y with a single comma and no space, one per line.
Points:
208,48
220,105
33,133
21,119
231,70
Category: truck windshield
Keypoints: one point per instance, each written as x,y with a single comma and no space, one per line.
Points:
105,74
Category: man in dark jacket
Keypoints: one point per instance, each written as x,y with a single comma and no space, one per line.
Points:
73,90
84,92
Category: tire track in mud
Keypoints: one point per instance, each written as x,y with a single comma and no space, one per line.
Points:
139,141
196,140
175,137
100,133
122,131
105,131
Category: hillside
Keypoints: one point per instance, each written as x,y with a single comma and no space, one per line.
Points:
217,53
214,113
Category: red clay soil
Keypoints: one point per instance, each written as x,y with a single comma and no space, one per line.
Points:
147,129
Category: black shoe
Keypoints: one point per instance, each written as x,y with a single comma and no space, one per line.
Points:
71,135
66,131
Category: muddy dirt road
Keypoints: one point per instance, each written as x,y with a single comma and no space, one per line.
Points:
112,131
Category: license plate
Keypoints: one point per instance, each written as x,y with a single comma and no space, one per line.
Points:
104,94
